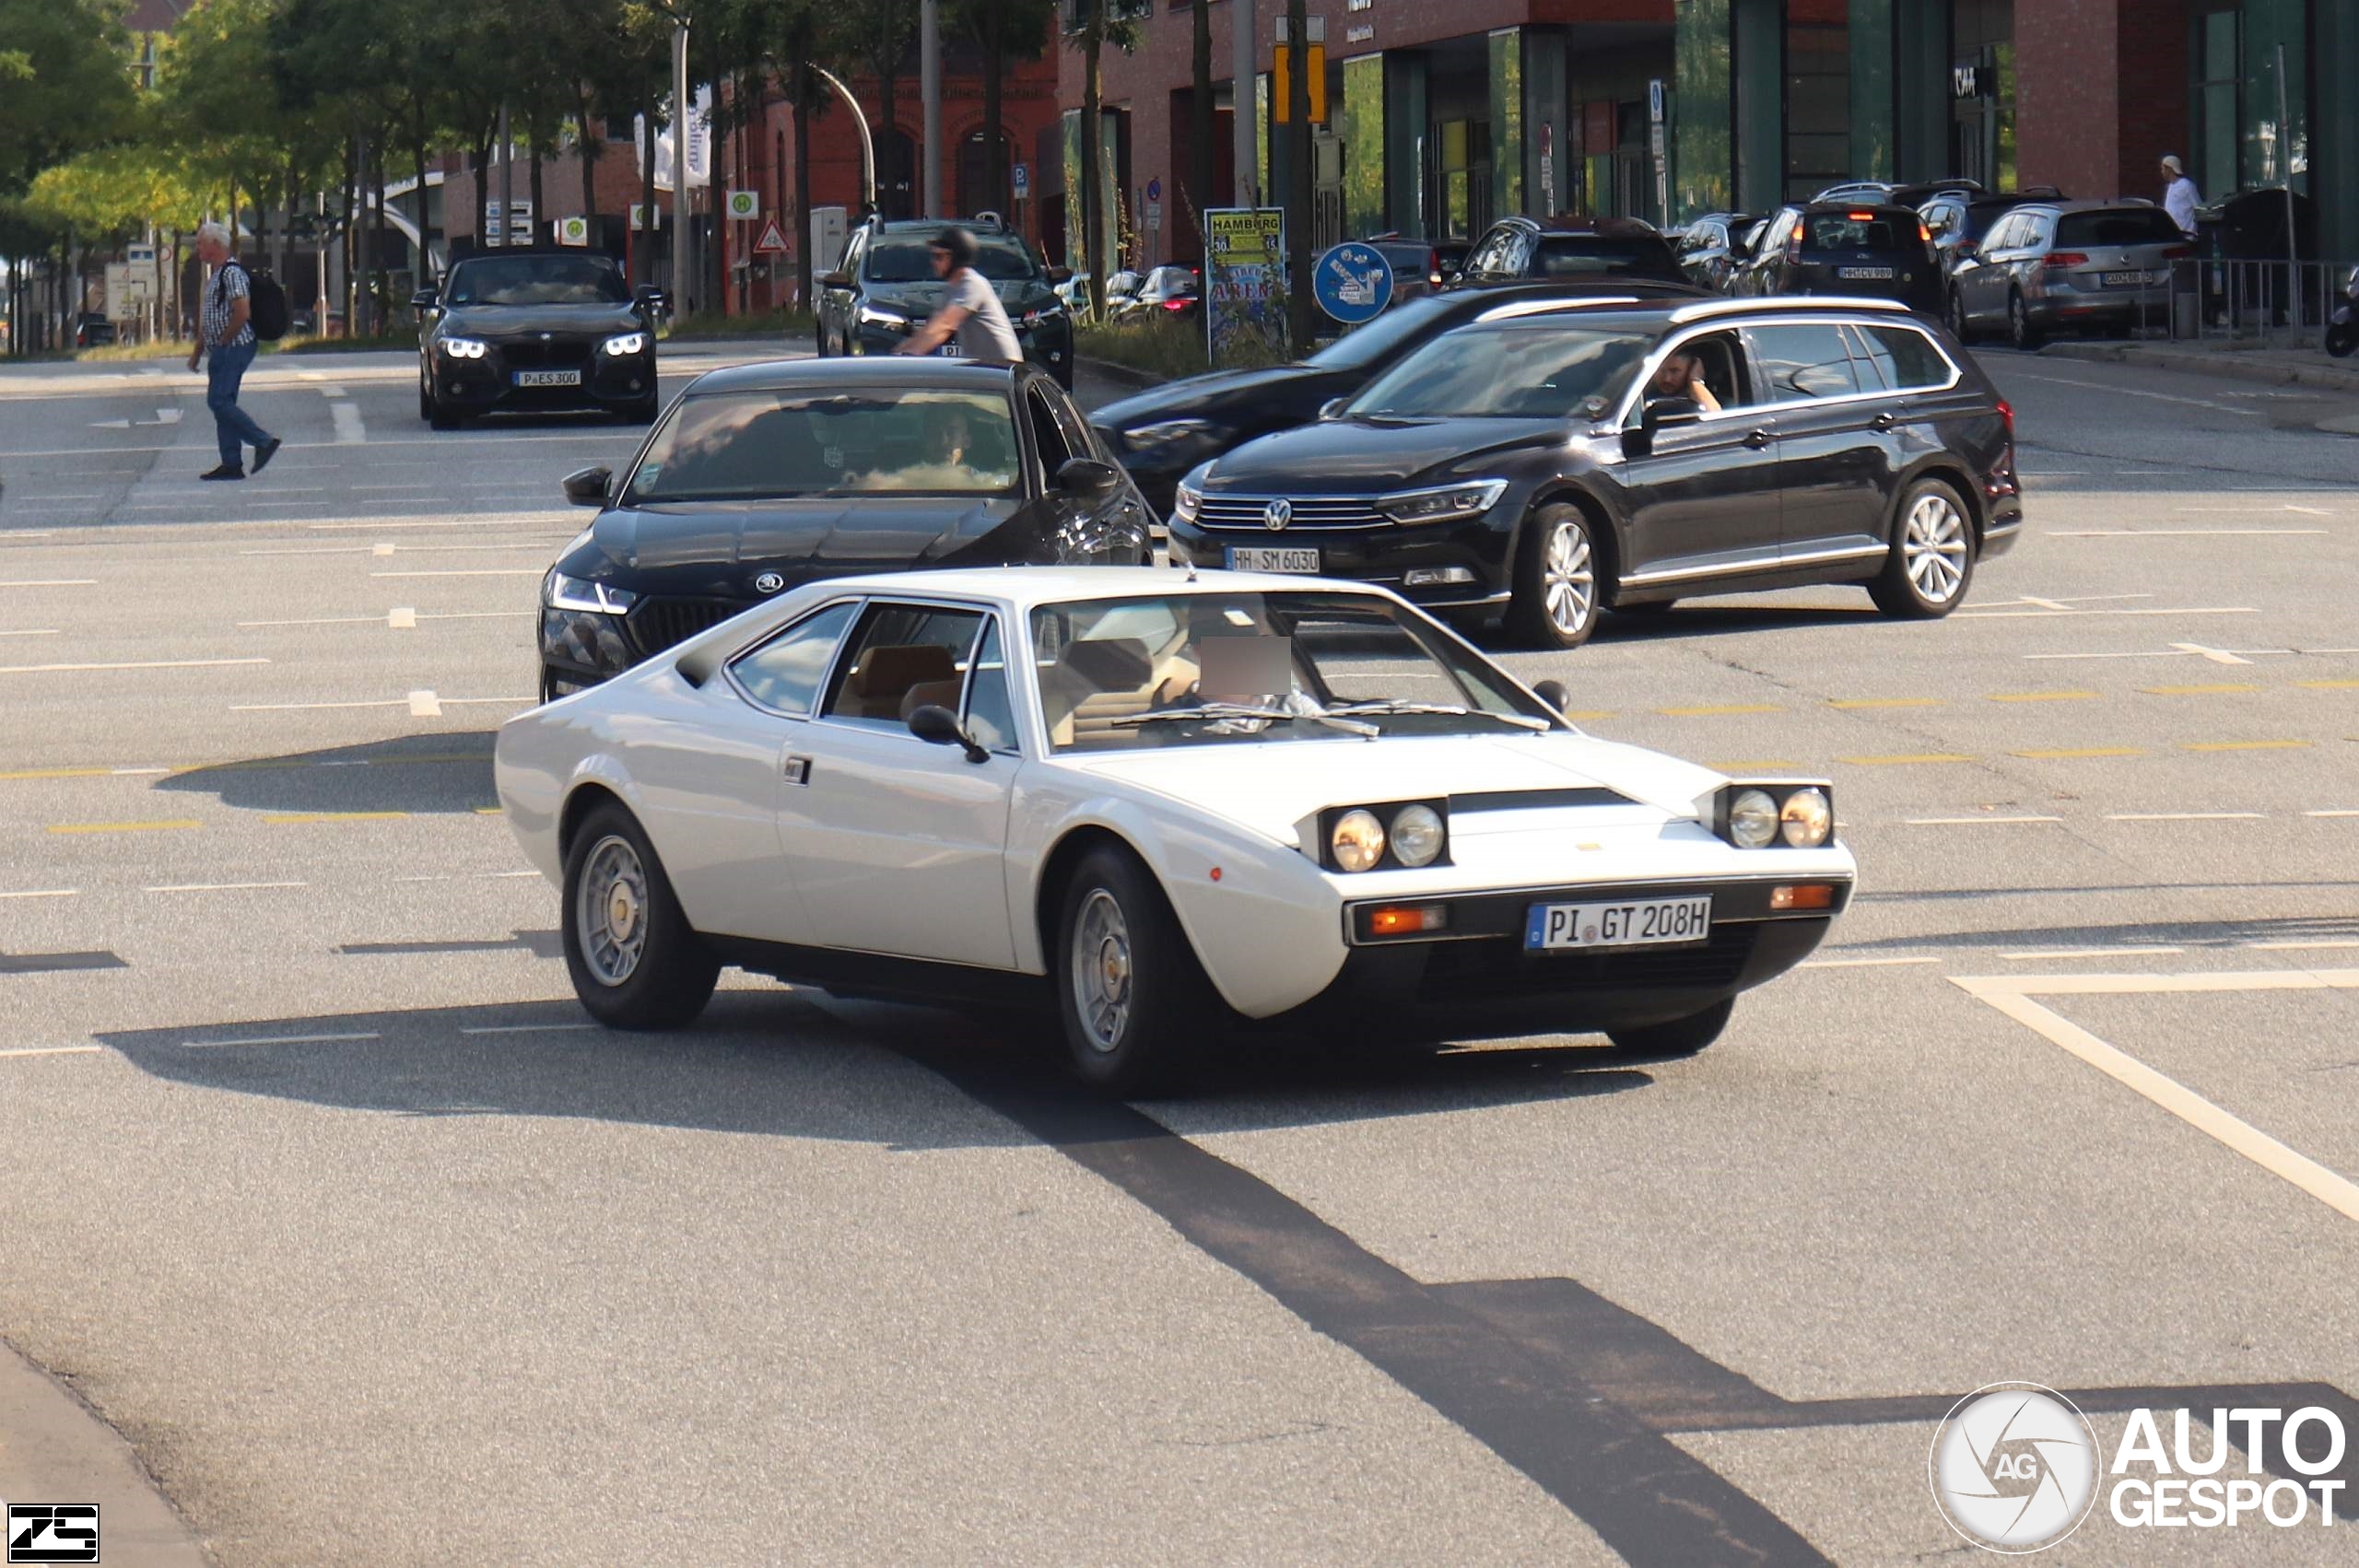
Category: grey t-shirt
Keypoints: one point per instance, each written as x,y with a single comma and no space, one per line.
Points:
984,334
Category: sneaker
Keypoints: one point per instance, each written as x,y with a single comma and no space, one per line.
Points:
264,454
223,472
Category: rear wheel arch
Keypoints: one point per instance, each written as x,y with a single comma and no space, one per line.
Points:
1950,475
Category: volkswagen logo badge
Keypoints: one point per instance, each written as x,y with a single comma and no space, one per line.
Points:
769,582
1277,514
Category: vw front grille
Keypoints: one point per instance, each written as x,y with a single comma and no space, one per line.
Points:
1249,513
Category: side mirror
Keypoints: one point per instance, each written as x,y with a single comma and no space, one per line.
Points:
1060,274
588,486
426,300
1554,694
1086,478
1333,408
835,280
938,726
1669,413
649,297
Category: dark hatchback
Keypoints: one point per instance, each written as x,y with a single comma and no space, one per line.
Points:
535,330
1535,464
885,288
765,477
1160,435
1844,248
1558,248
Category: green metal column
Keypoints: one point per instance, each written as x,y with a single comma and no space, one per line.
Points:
1703,160
1360,124
1507,120
1920,89
1872,105
2334,129
1757,29
1547,121
1408,205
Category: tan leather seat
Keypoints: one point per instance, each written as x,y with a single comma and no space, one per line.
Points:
885,675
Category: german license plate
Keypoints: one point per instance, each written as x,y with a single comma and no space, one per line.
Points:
2129,279
1880,274
950,350
1270,558
548,378
1648,922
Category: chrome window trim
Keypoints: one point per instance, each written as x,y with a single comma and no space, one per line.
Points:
1778,318
1755,564
1805,305
984,612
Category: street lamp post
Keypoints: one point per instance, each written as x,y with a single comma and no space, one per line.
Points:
929,89
860,123
680,166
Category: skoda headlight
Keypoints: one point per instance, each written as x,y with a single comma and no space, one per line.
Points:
1357,841
878,316
1753,819
1184,502
562,592
1446,503
465,348
1416,835
1168,432
624,343
1806,818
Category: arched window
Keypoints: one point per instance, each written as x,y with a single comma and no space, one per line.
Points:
896,174
975,191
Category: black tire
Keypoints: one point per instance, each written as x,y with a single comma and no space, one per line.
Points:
439,416
2340,341
642,412
1148,1004
1558,552
1960,328
1932,549
1668,1042
425,402
2022,330
669,976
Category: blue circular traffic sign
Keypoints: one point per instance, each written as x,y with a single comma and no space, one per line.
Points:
1353,283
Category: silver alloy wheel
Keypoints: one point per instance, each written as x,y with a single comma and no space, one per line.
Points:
610,911
1101,970
1568,579
1932,548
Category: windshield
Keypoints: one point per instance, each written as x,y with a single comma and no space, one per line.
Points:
1855,232
1384,336
538,280
1529,372
2132,226
1129,675
909,259
881,440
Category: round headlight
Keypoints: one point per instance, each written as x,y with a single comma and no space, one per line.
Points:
1416,835
1807,818
1357,840
1753,819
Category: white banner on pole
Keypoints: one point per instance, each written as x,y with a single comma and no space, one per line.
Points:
699,145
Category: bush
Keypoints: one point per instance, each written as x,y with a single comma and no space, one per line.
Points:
762,323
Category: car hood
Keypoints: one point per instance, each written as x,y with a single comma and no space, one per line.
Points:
1348,456
1273,787
1245,393
717,548
518,321
1015,295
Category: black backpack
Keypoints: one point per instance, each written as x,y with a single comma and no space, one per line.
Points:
266,302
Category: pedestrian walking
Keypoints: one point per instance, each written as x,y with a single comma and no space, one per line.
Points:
2180,198
970,308
225,341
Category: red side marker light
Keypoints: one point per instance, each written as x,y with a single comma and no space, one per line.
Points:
1216,873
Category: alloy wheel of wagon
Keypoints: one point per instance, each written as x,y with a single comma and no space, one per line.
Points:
2021,330
1679,1037
1960,328
635,960
1933,554
1555,602
1133,999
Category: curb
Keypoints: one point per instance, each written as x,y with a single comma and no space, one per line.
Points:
2230,364
54,1449
1121,375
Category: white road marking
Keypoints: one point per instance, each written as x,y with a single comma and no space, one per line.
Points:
45,892
54,582
2062,604
2158,397
2335,812
381,549
2012,997
2302,946
496,875
483,615
317,621
2091,953
525,1028
1862,962
425,704
220,886
471,571
52,1050
128,664
349,431
309,706
1975,821
2184,649
2052,614
32,631
284,1040
2185,816
2173,532
401,620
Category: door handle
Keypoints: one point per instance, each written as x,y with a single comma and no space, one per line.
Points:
1756,439
1884,422
796,769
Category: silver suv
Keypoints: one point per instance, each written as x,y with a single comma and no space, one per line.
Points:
2052,266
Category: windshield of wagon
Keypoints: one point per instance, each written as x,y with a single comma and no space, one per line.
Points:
1534,371
881,440
1225,669
909,259
538,280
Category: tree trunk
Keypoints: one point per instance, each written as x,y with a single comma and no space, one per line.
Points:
995,195
417,162
593,147
540,213
1298,197
1200,124
647,197
804,83
349,199
378,285
1093,184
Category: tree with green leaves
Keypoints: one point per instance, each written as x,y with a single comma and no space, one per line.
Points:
878,36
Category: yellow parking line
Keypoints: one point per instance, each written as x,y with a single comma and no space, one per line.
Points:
1722,709
2083,750
2199,691
2044,696
2245,745
57,773
122,826
336,816
1902,759
2330,685
1885,702
490,811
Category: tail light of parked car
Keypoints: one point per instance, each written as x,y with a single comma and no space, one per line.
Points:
2178,253
2055,259
1177,304
2007,415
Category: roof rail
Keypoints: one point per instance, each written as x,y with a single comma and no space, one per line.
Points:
1703,309
1515,308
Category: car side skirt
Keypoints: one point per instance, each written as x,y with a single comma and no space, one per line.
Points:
882,976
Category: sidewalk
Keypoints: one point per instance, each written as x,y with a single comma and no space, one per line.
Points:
2279,367
54,1449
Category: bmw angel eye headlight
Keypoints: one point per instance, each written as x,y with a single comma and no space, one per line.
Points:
1798,813
1447,503
1356,840
465,348
625,343
559,592
1417,835
1168,432
1806,819
1753,819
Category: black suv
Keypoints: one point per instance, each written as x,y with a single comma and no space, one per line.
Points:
1863,248
1543,464
885,288
536,329
1560,248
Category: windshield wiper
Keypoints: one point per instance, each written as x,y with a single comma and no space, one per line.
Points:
1213,712
1443,709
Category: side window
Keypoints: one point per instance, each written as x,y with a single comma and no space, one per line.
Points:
1069,419
1719,359
1801,363
1781,229
1877,372
854,255
903,657
1048,436
1909,357
1488,255
1515,260
785,671
991,716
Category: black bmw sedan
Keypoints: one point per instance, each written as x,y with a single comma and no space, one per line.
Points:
764,476
1161,434
1555,464
535,330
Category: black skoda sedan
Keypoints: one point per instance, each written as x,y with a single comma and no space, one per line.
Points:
1557,463
1162,433
548,329
764,476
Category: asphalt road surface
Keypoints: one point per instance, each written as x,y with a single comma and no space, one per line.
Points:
318,1190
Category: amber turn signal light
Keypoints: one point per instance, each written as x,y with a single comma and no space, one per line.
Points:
1802,896
1408,920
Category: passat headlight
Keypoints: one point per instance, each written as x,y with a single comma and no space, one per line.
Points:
1184,502
465,348
562,592
1168,432
1753,819
878,316
1806,819
625,343
1417,835
1445,504
1356,840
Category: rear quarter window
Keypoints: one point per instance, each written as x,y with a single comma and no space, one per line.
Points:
2132,226
1906,359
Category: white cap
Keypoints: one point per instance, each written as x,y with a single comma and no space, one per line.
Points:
2171,162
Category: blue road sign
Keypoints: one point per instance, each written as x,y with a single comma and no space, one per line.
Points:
1353,283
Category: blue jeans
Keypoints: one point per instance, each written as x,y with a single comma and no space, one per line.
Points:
224,369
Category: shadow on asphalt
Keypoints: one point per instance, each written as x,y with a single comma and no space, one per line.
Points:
449,771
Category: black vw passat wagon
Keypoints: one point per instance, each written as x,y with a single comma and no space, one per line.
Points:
1554,465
